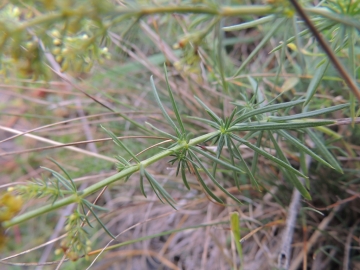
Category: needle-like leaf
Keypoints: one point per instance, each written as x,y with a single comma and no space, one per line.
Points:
202,183
268,156
142,174
66,183
303,147
247,170
173,103
266,109
315,81
216,118
163,110
165,134
119,143
296,124
309,114
290,174
89,206
213,178
219,161
66,173
324,151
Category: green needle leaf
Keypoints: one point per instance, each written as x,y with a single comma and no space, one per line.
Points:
61,179
183,175
303,147
315,81
98,219
256,154
296,124
219,148
94,206
266,109
173,103
202,183
160,189
214,180
232,159
247,170
290,175
206,121
142,174
65,172
84,216
268,156
309,114
324,151
163,132
216,118
252,23
119,143
165,114
219,161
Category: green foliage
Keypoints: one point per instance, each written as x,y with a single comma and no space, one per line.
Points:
75,36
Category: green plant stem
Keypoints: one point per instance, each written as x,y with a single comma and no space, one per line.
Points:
47,18
116,177
225,11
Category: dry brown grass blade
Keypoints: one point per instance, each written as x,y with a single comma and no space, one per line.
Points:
295,263
335,204
54,124
270,224
85,142
76,149
153,146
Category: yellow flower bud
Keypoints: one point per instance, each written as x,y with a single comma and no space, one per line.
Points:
57,42
55,33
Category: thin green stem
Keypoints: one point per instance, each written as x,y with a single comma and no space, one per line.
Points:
224,11
116,177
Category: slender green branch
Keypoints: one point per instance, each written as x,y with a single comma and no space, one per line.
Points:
224,11
116,177
46,18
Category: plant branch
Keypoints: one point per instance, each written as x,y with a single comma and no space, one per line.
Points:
116,177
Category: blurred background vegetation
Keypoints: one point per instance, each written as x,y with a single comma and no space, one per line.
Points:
68,67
